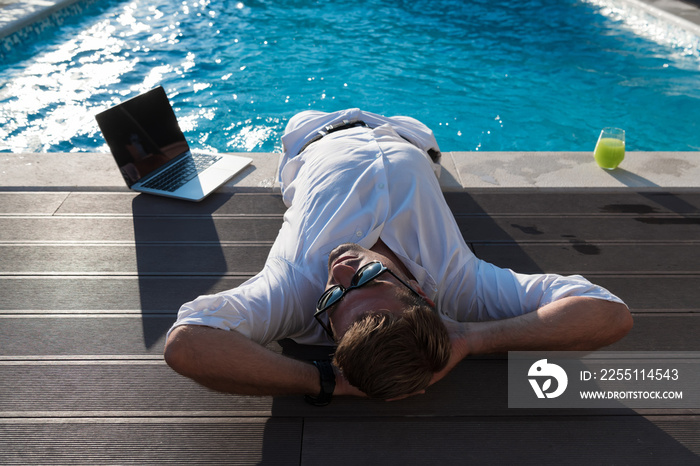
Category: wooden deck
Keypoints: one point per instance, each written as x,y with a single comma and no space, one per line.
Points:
90,283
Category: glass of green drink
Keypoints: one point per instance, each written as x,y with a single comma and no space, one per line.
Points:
610,149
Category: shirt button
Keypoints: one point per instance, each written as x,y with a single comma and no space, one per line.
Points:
381,185
358,234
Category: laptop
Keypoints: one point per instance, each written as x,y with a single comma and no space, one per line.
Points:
152,154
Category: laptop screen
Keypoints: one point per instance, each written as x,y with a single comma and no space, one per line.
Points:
142,134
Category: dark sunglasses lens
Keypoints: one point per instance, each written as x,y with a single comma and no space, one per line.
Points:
330,297
367,273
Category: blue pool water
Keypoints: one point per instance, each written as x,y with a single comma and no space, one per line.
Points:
490,75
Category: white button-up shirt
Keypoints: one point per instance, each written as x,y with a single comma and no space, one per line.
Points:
359,185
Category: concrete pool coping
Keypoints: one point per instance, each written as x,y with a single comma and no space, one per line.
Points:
460,171
16,15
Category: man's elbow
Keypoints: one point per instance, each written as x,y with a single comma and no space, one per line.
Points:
178,352
620,322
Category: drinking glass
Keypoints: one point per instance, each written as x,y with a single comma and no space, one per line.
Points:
610,149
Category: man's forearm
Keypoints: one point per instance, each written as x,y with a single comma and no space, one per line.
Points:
228,361
569,324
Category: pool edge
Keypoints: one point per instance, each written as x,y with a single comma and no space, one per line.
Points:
461,170
24,20
22,26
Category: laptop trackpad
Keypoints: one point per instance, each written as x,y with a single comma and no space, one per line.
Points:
208,180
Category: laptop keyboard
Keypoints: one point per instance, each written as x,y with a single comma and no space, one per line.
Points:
181,172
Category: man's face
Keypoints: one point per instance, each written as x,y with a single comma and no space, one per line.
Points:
380,295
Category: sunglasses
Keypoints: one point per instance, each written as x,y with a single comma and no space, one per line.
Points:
364,275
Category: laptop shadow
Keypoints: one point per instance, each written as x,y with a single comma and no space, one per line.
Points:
179,256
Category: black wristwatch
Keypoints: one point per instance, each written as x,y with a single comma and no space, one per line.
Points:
325,370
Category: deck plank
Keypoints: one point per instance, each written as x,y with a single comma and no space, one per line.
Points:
577,230
592,440
144,259
90,294
503,440
583,257
509,229
492,201
573,202
218,259
136,334
93,441
165,294
79,203
139,230
24,203
113,388
655,293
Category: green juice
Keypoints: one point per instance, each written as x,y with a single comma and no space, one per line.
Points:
609,153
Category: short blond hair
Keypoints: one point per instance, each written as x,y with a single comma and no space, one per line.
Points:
387,355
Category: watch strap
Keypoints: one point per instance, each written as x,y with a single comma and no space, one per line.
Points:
327,377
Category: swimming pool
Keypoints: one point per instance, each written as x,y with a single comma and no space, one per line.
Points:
488,75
